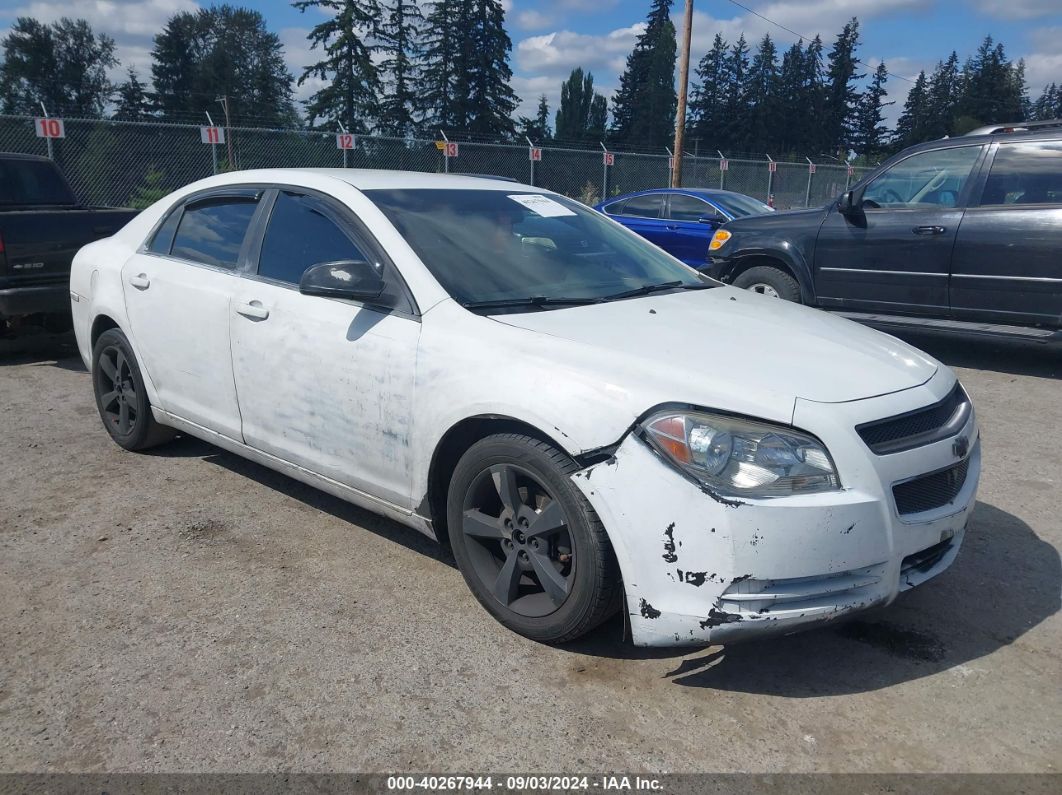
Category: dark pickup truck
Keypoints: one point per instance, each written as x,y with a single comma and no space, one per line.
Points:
42,225
962,234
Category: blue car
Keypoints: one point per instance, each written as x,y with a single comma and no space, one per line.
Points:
681,220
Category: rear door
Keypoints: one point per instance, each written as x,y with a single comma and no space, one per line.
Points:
690,237
177,295
895,255
645,215
1007,265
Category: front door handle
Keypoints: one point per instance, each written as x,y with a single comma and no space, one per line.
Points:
928,230
140,281
253,310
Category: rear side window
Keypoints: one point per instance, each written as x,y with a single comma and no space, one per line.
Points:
212,231
616,208
163,239
1025,174
299,235
650,206
32,182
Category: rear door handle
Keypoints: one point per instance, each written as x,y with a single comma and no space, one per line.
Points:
253,310
928,230
140,281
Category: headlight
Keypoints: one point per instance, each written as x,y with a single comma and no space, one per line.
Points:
718,239
739,457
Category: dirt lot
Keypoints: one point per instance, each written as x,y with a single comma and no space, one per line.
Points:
187,610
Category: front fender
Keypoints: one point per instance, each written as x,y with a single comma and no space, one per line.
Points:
782,250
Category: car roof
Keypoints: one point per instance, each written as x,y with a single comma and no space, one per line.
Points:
705,193
1048,134
374,179
20,156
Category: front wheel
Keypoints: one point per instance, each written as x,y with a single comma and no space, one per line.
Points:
770,281
529,545
121,398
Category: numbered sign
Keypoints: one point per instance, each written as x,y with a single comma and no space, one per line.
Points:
451,149
609,159
344,140
534,154
671,164
851,171
772,166
212,135
724,165
811,168
50,128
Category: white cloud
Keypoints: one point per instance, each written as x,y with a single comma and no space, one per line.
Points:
533,20
1042,68
1018,9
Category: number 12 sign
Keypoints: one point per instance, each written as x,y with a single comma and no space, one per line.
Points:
344,140
50,128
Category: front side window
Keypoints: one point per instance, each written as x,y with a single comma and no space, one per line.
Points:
211,231
689,208
500,245
928,180
1025,174
299,235
649,206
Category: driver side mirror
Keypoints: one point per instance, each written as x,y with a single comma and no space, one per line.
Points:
713,218
850,203
355,280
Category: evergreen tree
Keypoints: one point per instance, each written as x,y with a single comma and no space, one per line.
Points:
761,97
221,51
581,116
133,101
868,128
993,88
911,126
735,101
400,33
1049,104
483,99
348,40
441,51
945,86
706,118
63,64
537,128
150,190
841,95
643,110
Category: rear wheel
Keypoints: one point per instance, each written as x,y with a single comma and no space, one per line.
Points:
770,281
529,545
121,398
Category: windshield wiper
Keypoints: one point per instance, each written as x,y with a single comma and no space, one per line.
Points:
645,289
534,300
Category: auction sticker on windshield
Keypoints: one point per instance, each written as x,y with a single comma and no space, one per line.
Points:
541,205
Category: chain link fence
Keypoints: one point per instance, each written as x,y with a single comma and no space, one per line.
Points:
135,163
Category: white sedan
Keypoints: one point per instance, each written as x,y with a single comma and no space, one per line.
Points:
586,421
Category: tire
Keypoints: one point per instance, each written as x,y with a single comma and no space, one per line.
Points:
768,280
504,560
121,398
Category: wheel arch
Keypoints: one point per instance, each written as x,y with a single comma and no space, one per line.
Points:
105,321
786,262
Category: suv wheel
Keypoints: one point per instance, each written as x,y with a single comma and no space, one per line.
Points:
769,281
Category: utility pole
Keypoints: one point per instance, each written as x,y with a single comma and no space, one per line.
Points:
684,79
228,130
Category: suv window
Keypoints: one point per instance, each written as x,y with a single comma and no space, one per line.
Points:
1025,173
689,208
211,231
299,235
926,180
649,206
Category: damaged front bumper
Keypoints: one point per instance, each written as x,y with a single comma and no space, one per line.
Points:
701,569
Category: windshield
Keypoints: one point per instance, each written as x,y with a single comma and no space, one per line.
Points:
32,182
741,206
543,251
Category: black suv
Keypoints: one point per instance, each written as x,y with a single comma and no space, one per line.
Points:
960,234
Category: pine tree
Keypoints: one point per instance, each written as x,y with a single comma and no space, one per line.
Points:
942,97
841,95
1049,104
484,99
348,41
400,33
537,128
582,111
643,110
993,88
64,65
735,101
441,44
869,130
705,116
133,102
761,96
911,126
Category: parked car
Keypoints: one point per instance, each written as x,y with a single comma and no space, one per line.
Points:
681,220
961,234
505,369
42,225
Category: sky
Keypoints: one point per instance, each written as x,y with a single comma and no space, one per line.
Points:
551,37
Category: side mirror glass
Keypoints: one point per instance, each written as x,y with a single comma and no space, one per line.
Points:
850,203
355,280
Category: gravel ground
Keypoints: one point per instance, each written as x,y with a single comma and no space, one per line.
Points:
189,611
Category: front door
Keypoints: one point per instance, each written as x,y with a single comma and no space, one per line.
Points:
1007,267
894,255
324,383
177,294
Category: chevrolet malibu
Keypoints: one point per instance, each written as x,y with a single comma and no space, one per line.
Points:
511,373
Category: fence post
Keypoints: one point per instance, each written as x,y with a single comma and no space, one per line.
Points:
531,157
722,171
446,153
49,138
213,146
770,179
847,176
604,172
811,172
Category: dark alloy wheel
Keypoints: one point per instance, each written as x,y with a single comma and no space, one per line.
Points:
528,544
120,394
